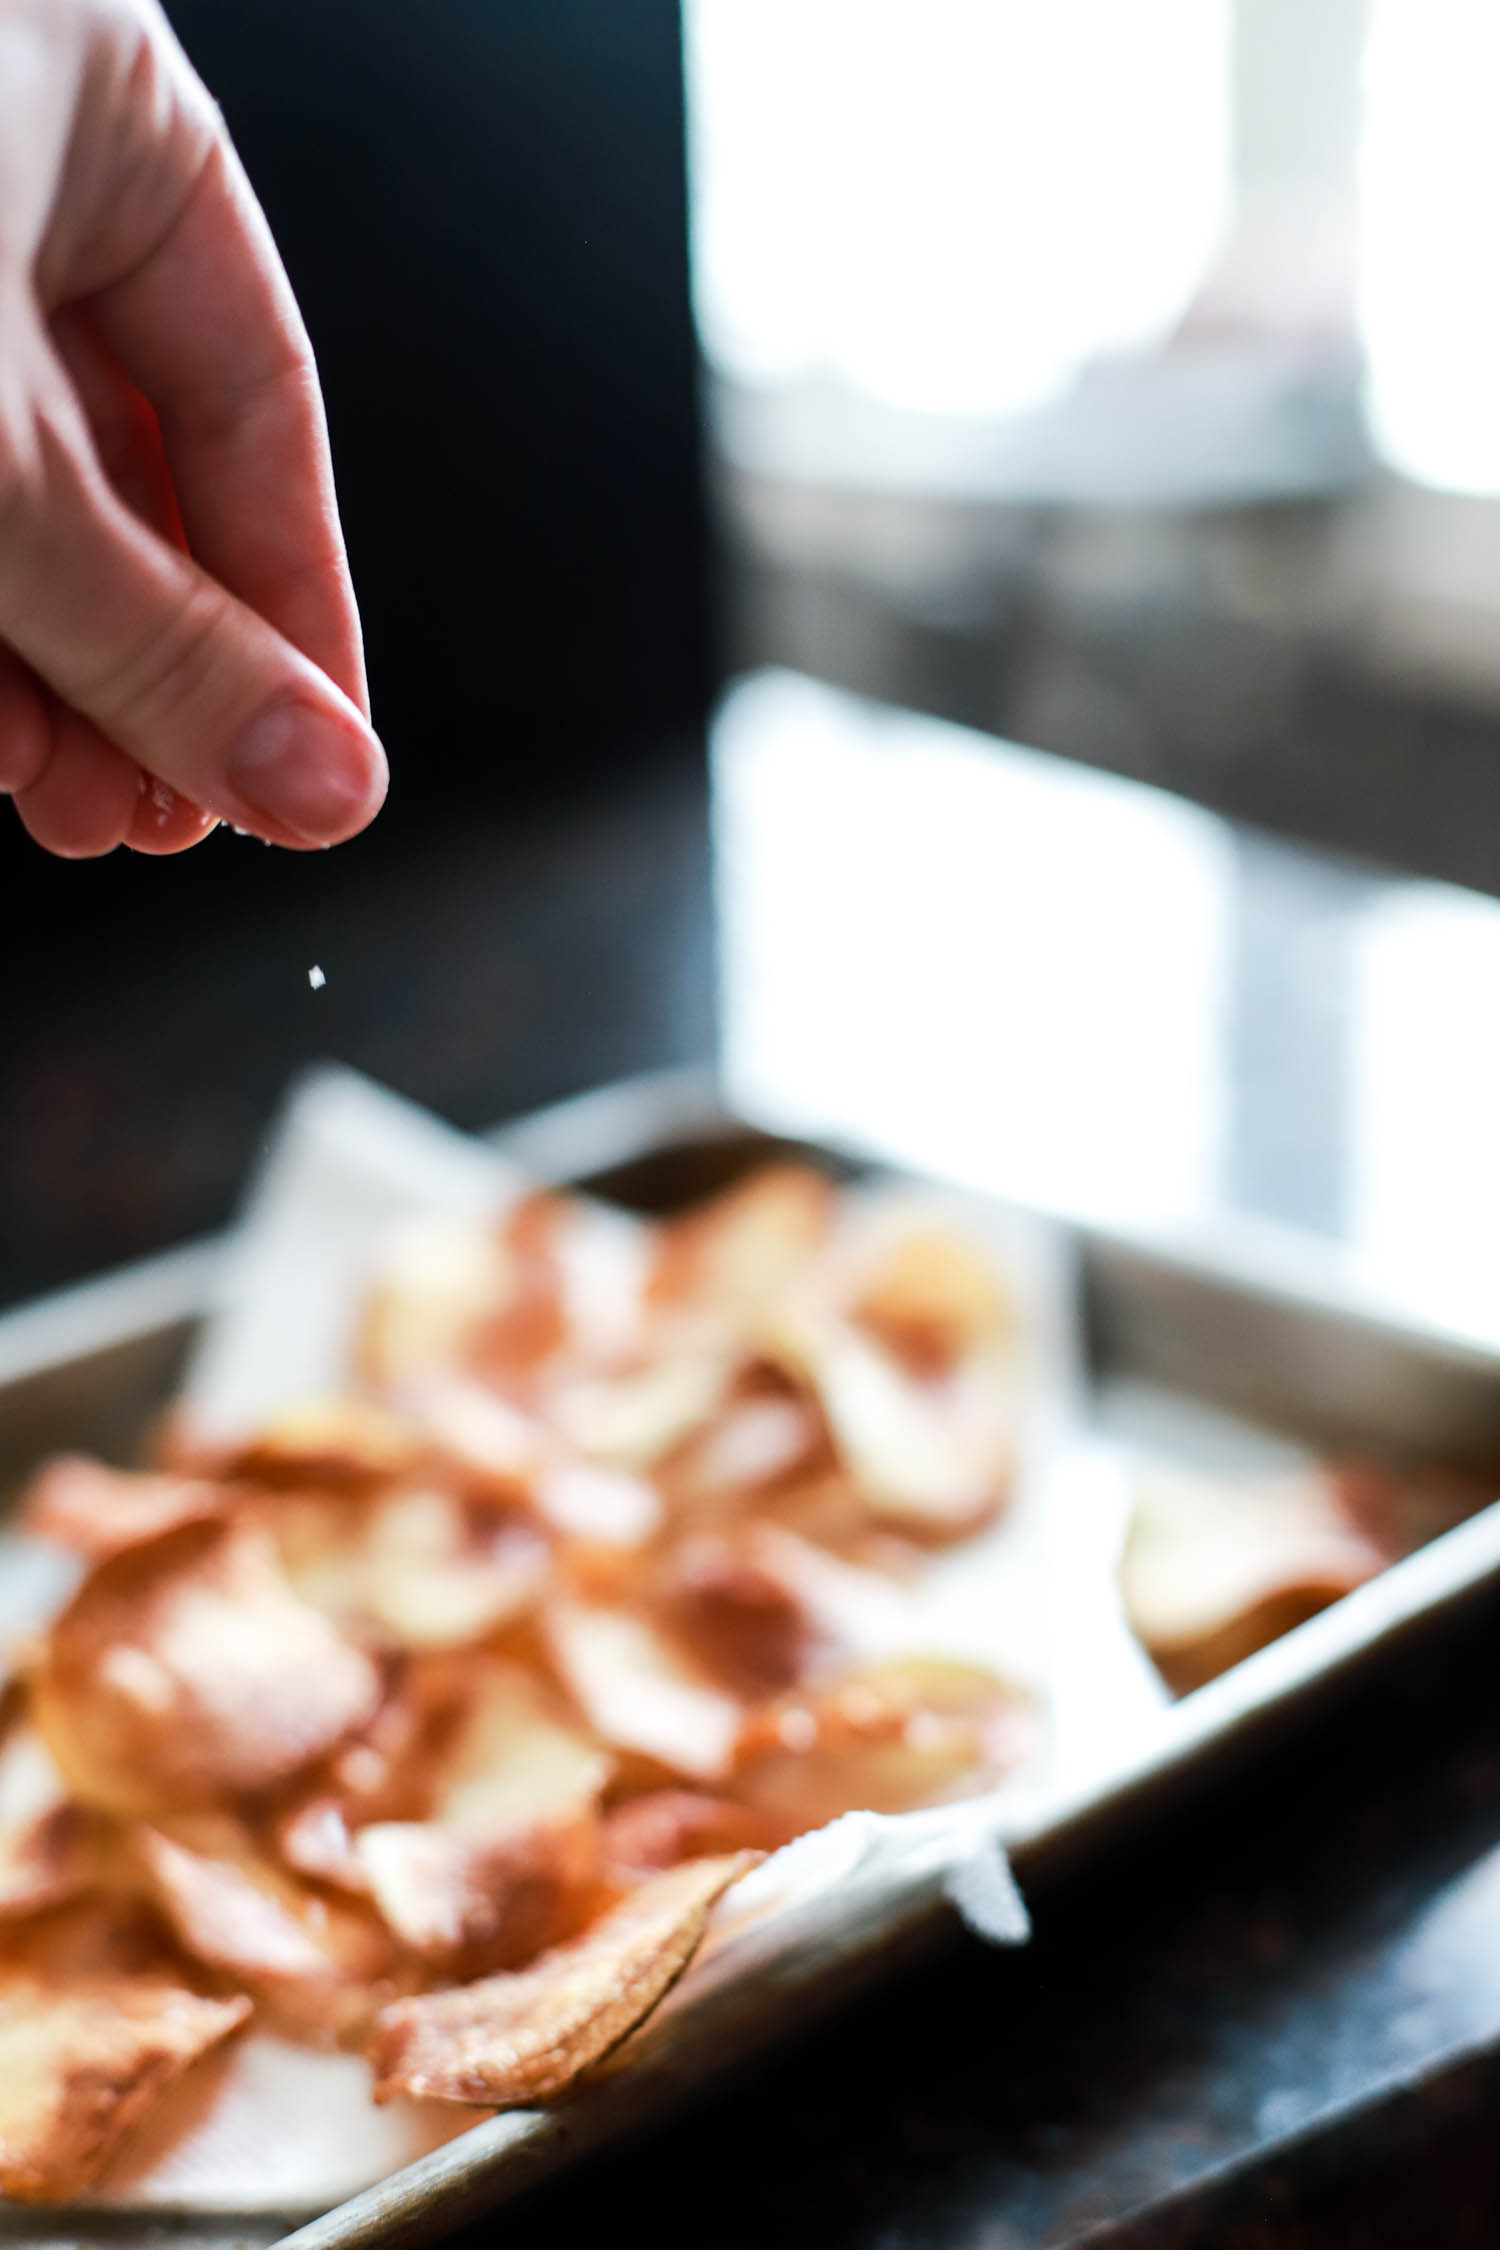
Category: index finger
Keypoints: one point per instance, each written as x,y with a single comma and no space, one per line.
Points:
207,327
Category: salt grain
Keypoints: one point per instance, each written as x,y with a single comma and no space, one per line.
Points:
316,978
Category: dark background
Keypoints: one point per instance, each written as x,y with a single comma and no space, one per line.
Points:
482,207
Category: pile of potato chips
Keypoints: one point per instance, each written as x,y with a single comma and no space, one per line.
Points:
432,1721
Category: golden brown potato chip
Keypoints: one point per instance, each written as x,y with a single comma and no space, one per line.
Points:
760,1608
384,1772
232,1908
476,1899
637,1693
314,1837
886,1738
185,1670
523,2037
669,1826
507,1861
46,1841
94,2029
1215,1567
97,1511
225,1905
340,1442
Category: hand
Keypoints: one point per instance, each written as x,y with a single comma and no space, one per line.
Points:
178,637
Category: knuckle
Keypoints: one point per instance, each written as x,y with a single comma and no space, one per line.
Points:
21,477
170,668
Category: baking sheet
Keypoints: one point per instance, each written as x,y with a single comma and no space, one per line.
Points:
1232,1319
274,2128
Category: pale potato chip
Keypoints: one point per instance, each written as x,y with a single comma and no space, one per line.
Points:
416,1566
341,1442
387,1771
511,1758
521,2038
602,1506
436,1284
314,1837
887,1738
438,1574
494,1443
933,1456
185,1671
97,1511
637,1693
633,1419
602,1259
741,1252
46,1841
1216,1567
90,2041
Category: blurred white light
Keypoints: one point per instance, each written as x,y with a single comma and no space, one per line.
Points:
1426,1100
1430,196
951,205
982,961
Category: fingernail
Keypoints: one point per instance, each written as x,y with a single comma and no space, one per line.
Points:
309,772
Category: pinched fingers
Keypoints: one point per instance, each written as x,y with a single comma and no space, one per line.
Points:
131,634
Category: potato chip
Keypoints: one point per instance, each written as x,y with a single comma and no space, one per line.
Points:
507,1861
346,1443
475,1899
90,2041
929,1297
637,1693
511,1758
97,1511
45,1839
1216,1567
633,1419
496,1447
669,1826
231,1908
185,1670
757,1442
598,1505
741,1252
760,1608
436,1284
934,1457
416,1566
523,2037
887,1737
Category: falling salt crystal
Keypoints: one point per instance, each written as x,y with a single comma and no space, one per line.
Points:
316,978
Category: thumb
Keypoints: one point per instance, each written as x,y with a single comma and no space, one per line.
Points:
198,688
